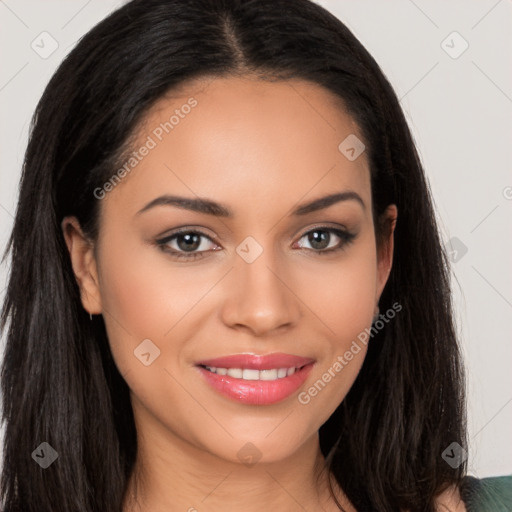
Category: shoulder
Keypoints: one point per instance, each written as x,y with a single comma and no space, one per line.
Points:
492,494
450,501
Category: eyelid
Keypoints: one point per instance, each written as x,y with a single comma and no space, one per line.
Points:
188,229
324,225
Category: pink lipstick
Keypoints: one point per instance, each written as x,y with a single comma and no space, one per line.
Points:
256,379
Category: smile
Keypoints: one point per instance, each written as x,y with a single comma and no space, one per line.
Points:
256,380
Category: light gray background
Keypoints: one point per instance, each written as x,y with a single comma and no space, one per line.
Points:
459,110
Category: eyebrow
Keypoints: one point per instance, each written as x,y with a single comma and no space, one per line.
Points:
210,207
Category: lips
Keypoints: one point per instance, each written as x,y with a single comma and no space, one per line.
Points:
256,379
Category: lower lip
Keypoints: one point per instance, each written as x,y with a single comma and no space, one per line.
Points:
257,392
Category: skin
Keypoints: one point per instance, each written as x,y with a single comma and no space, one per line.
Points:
261,149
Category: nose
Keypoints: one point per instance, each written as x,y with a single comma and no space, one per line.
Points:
259,297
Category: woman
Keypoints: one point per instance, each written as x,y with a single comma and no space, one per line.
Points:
228,289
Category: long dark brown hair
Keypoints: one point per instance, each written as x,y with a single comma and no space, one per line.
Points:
60,385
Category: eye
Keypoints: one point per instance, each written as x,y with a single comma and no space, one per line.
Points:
187,243
326,239
192,244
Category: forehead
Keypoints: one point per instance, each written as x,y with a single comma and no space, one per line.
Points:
237,139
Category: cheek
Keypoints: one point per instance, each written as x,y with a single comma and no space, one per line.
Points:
145,296
342,296
342,292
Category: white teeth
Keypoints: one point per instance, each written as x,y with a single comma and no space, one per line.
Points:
236,373
252,374
268,374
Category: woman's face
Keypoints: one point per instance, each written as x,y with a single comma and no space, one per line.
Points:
252,274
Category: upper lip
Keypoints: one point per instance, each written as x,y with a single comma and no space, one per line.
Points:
257,362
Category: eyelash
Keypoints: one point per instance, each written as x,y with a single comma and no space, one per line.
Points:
345,237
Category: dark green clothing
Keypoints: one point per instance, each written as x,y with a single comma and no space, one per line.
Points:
493,494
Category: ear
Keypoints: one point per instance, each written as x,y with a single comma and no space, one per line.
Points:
387,222
83,261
